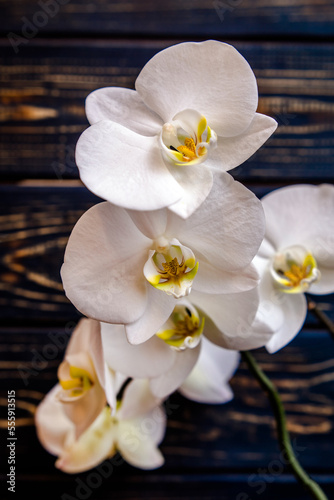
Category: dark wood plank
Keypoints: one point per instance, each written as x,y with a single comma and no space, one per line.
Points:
44,88
35,223
169,18
217,451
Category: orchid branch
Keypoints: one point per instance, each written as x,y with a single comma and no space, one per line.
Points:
313,307
283,435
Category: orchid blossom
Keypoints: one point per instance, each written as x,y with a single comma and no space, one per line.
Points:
134,430
296,256
193,111
131,267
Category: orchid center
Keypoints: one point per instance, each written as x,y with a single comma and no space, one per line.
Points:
183,328
79,381
187,139
294,269
171,267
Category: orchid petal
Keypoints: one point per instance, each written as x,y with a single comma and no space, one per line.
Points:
125,168
269,316
294,308
138,400
230,104
159,307
82,336
326,284
196,181
152,224
232,151
102,270
106,377
208,381
148,359
184,361
123,106
93,447
137,440
52,426
84,410
227,236
231,316
209,279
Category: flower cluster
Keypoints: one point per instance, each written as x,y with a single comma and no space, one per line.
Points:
181,267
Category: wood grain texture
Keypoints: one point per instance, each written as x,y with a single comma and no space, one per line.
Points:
53,53
44,88
210,449
169,18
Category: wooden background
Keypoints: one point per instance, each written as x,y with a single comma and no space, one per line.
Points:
49,63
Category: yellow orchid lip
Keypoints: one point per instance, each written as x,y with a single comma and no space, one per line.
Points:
294,269
183,329
187,139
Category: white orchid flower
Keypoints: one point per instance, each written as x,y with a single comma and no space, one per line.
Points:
134,430
296,256
193,110
85,381
129,268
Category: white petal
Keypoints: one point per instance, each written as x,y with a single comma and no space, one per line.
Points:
102,270
159,308
326,283
137,440
208,381
123,106
227,229
138,400
106,377
228,317
209,279
84,410
184,361
269,314
125,168
210,77
266,250
52,425
294,307
82,335
196,181
149,359
93,447
232,151
111,387
152,224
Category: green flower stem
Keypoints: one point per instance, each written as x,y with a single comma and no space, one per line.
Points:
312,306
283,434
